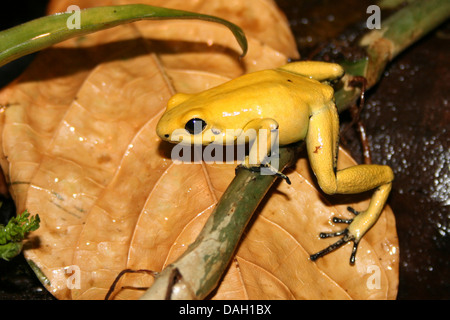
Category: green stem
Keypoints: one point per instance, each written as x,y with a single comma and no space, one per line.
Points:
201,267
46,31
397,33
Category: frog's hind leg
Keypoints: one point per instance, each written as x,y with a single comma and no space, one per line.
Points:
322,145
317,70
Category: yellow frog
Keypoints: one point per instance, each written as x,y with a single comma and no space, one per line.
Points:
296,102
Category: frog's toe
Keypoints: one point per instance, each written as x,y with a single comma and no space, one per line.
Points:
350,209
272,171
346,237
347,221
339,220
283,176
257,169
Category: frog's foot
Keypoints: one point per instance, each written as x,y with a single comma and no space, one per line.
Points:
257,168
347,236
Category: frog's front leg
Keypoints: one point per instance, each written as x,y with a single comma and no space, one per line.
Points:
322,146
264,135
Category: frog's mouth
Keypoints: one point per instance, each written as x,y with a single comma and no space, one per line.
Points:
206,137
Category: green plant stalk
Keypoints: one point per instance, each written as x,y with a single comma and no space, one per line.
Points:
41,33
200,268
197,272
392,4
398,32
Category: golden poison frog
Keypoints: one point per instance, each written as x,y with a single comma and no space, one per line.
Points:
296,102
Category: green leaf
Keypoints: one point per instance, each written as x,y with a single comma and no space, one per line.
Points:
10,250
12,235
41,33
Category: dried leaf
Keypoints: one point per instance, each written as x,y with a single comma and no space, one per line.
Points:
80,149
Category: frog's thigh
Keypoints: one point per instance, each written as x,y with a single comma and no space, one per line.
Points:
322,144
317,70
265,133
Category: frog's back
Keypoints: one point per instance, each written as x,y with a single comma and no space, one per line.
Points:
283,96
271,86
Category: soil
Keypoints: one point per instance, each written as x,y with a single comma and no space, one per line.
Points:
407,120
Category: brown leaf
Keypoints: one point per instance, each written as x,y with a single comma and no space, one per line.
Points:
81,150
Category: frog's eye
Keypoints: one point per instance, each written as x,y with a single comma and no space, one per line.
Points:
195,126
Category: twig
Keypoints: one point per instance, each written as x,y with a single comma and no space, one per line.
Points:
397,33
201,267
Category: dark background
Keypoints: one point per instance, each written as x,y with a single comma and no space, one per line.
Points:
406,117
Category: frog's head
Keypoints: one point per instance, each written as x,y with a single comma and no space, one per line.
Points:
187,121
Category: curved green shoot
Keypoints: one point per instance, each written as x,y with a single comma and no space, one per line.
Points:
43,32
